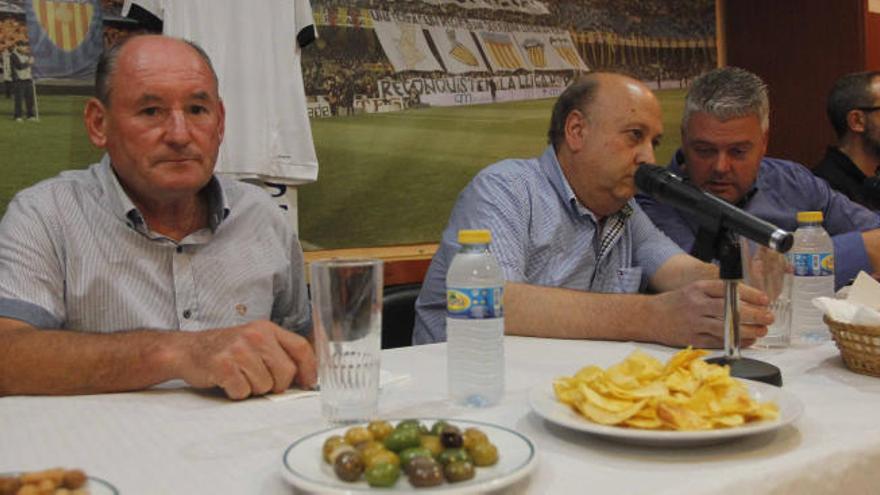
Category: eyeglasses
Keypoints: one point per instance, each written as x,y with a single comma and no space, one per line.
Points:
867,109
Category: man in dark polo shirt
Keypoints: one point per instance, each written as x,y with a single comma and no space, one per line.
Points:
854,111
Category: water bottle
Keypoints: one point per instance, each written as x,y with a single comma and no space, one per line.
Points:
812,257
475,323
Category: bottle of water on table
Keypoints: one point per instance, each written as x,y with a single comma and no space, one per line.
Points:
475,322
812,257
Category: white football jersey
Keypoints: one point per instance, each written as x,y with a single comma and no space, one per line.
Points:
254,49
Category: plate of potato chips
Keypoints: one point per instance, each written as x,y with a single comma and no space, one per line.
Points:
685,401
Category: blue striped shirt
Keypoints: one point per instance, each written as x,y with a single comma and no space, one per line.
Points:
542,235
76,254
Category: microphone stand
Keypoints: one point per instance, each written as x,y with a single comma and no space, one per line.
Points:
731,273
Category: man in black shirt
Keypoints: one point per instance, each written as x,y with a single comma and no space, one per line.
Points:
854,111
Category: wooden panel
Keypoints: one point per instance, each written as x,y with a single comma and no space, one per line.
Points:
799,47
872,40
403,264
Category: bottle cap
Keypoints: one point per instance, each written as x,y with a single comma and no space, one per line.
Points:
474,236
809,217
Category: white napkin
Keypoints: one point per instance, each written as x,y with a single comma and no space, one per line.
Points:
860,306
385,378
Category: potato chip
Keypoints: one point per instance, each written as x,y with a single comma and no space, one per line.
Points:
686,393
604,417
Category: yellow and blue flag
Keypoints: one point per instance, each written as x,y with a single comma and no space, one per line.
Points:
66,37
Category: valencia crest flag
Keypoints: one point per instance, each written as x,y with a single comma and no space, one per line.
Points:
66,37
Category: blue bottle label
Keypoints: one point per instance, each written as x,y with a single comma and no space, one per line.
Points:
812,264
470,303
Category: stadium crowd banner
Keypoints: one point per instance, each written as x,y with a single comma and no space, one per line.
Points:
66,37
343,16
526,6
466,90
458,50
406,47
549,51
502,51
503,47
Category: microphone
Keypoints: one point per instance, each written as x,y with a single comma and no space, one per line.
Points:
711,211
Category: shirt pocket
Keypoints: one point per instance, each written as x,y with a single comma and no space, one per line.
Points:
628,280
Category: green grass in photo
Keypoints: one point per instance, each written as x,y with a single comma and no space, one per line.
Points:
384,179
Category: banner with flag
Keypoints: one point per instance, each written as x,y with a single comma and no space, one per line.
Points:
457,49
405,46
66,37
502,51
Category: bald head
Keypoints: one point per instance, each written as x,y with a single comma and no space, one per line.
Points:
583,94
130,47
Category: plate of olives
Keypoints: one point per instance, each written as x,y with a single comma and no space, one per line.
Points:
450,456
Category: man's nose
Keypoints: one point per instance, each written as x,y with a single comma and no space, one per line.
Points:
722,164
177,128
646,154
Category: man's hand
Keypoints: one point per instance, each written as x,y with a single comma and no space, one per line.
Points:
251,359
694,314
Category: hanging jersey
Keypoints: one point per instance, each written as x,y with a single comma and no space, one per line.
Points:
254,49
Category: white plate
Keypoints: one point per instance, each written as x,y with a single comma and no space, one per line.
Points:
304,467
95,486
544,403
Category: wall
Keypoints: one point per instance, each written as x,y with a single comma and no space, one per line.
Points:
800,47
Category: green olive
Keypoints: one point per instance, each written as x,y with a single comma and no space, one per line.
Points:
453,455
382,474
473,436
432,443
357,434
458,471
438,427
484,454
383,457
380,429
411,423
402,439
330,444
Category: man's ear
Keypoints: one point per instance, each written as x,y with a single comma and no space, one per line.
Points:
765,141
222,127
95,117
576,127
855,121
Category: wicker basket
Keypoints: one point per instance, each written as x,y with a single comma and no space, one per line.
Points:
859,345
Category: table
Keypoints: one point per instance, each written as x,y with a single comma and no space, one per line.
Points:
180,440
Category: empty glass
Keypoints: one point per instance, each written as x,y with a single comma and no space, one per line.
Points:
771,272
347,314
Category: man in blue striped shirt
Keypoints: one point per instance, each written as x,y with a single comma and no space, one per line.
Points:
573,244
146,267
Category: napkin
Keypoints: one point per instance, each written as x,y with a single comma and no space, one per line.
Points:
385,378
860,306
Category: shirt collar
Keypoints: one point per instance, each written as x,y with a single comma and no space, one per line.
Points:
844,163
124,208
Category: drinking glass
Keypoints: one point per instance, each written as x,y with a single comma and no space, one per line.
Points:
771,272
347,314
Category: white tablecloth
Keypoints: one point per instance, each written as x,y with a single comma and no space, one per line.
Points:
184,441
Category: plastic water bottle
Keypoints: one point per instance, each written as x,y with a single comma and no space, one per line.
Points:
812,257
475,322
